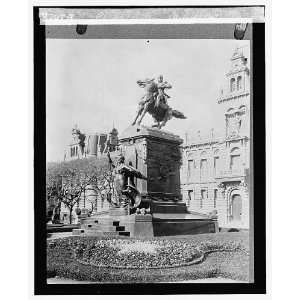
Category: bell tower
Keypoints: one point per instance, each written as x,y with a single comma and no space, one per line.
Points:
235,97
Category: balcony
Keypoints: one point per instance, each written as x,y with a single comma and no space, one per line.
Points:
231,173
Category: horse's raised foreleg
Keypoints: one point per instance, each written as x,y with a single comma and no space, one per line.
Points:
167,117
136,117
143,113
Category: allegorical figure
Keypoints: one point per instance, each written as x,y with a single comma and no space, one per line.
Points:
125,193
155,103
79,137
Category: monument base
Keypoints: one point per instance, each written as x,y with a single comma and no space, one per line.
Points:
183,224
165,221
157,155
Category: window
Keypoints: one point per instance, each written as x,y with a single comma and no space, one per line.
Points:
190,197
203,196
239,83
232,85
190,167
216,165
235,159
215,197
203,168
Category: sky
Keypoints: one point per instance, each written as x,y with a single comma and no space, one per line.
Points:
92,83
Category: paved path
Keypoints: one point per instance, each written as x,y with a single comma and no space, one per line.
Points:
206,280
57,235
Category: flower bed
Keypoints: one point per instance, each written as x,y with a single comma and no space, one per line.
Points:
121,253
226,255
143,254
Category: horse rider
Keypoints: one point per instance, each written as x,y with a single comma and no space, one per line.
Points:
161,99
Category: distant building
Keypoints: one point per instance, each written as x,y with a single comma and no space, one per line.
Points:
91,145
215,170
84,146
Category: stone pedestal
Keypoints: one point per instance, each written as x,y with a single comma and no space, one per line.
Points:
143,226
157,155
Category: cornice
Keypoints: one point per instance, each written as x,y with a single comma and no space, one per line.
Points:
224,140
234,97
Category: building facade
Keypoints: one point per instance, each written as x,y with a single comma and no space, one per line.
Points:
215,170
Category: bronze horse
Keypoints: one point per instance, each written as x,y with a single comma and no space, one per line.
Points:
155,104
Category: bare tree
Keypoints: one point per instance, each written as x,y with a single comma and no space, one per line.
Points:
68,181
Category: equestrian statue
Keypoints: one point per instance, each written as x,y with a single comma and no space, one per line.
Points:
155,102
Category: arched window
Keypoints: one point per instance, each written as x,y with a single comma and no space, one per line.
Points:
230,110
203,154
232,84
235,151
242,109
239,83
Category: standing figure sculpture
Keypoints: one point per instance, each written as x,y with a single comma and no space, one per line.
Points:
79,137
125,193
155,103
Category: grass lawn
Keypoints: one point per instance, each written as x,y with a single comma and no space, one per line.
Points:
229,264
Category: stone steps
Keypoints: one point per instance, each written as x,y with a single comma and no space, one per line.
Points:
99,227
104,226
124,233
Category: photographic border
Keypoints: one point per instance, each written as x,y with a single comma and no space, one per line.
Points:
258,169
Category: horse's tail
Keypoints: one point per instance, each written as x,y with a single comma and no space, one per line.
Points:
178,114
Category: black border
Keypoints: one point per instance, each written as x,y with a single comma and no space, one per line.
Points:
40,284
